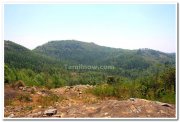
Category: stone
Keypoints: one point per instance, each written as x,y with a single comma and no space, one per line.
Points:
50,112
38,114
166,105
24,89
28,90
39,93
106,114
11,116
21,88
163,104
18,109
132,99
58,116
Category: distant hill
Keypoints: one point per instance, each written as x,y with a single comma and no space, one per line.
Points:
78,52
57,54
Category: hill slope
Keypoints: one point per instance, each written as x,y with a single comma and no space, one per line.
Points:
89,53
20,57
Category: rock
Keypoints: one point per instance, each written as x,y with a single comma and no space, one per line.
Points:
80,93
11,116
133,109
132,99
58,116
56,104
106,114
39,93
166,105
28,90
50,112
77,89
21,88
18,109
38,114
50,107
163,104
43,91
24,89
162,112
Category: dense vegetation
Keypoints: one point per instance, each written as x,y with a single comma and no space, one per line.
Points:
142,73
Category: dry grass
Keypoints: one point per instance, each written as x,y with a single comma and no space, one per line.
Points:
49,100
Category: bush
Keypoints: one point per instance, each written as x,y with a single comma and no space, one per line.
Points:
120,91
111,80
103,90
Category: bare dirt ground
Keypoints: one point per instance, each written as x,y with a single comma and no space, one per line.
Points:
76,102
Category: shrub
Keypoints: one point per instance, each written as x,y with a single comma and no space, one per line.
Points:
111,80
103,90
118,91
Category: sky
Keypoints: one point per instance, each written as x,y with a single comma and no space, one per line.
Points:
127,26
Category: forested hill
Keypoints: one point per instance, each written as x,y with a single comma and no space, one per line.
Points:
142,73
19,57
58,52
76,51
89,53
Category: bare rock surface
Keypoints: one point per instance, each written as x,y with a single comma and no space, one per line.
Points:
77,103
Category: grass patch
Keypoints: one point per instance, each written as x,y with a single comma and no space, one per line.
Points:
106,90
49,100
8,102
103,90
28,108
168,98
24,98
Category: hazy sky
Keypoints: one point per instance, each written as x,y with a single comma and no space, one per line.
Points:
128,26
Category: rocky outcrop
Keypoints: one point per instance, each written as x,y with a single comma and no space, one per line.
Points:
77,103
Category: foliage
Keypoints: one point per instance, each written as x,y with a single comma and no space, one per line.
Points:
111,80
142,73
146,88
